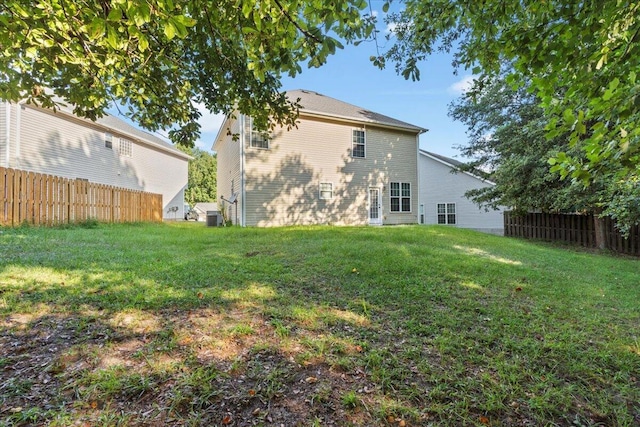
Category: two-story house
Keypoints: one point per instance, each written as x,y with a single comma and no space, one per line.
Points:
342,165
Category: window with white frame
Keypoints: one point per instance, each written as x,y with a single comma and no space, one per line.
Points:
124,148
400,195
108,140
358,143
326,190
446,213
257,138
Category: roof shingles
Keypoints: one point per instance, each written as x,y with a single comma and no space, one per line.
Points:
316,103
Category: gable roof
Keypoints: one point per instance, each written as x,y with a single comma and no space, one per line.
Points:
453,164
314,103
444,159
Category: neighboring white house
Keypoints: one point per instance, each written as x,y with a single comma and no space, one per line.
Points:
442,199
107,151
342,165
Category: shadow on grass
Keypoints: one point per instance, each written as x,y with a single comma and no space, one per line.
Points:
184,325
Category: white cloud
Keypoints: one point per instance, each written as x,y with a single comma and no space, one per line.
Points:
209,122
391,28
462,85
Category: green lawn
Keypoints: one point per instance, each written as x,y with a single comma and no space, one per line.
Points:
179,324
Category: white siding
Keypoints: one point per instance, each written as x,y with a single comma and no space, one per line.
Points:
57,144
439,185
282,182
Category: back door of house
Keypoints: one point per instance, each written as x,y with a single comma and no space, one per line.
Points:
375,208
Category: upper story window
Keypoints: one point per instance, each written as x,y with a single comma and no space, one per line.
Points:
257,138
358,143
108,140
400,195
124,149
446,213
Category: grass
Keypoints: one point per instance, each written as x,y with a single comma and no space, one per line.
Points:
179,324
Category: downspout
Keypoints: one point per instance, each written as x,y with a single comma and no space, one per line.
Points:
243,193
18,126
8,134
418,176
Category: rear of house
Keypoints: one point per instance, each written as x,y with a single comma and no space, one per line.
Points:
343,165
442,200
108,151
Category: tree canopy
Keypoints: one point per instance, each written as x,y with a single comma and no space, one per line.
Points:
202,177
580,58
159,58
507,141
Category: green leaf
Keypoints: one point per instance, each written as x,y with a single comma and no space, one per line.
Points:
169,30
143,42
112,37
613,84
115,15
385,7
568,116
95,30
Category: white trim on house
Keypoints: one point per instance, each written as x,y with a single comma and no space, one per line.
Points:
330,190
364,142
345,119
243,192
400,197
8,133
446,213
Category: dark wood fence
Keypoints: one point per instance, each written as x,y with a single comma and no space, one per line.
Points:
571,228
39,199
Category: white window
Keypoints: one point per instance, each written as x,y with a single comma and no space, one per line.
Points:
326,190
124,149
400,195
358,144
446,213
257,138
108,140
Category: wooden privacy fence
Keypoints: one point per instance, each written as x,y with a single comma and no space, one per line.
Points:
571,228
39,199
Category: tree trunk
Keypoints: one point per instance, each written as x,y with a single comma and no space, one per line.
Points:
599,228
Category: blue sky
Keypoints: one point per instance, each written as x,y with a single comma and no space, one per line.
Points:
350,76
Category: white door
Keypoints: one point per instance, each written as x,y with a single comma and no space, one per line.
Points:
375,209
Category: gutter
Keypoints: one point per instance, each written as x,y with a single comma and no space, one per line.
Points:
424,153
346,119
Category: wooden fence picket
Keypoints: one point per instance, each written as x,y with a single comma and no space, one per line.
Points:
40,199
570,228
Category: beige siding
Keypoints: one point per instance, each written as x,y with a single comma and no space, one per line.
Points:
229,169
61,145
283,182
